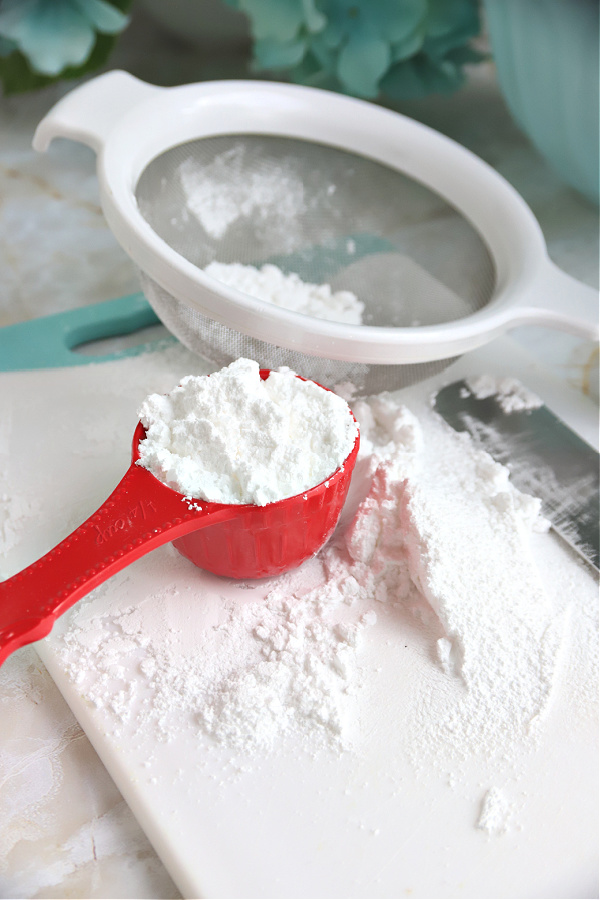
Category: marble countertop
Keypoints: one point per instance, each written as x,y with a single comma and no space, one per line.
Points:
65,830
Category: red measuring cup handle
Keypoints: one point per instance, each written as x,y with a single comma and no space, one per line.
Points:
140,514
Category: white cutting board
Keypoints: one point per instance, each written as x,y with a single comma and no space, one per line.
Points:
292,825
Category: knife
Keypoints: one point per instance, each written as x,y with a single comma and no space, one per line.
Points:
545,459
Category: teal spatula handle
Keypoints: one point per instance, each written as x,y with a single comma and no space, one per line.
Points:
48,342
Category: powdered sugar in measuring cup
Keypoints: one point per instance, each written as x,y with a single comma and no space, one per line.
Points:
278,458
234,437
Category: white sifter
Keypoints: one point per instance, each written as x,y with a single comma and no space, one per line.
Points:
441,250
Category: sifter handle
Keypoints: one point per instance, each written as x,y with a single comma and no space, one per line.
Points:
557,299
89,113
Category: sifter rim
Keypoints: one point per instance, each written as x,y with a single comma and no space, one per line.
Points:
164,118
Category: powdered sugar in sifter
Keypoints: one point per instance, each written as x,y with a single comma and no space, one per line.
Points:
442,251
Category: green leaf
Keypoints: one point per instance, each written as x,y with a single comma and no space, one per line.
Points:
6,47
308,70
105,17
318,78
52,36
315,20
396,19
448,16
270,54
361,63
409,45
323,53
466,55
274,19
420,76
17,75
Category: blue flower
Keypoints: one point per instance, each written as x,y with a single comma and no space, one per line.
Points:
399,48
56,34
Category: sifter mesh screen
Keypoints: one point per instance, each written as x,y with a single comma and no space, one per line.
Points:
326,214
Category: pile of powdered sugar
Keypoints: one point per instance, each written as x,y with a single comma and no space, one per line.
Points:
270,284
509,392
434,534
467,537
224,193
233,437
494,815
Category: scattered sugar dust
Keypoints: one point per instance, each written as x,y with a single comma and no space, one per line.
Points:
15,513
434,541
435,530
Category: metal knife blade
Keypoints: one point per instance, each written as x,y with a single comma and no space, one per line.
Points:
545,459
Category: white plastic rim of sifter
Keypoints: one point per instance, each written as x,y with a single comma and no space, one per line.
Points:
129,123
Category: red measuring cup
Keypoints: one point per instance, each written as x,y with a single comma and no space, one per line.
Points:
241,541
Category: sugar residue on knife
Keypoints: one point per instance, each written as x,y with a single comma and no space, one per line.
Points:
509,392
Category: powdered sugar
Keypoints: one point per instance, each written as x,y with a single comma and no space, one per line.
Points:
298,683
463,533
467,533
272,285
236,438
223,193
495,812
437,533
509,392
383,766
15,513
284,664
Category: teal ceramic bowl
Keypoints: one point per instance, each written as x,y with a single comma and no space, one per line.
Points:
546,54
